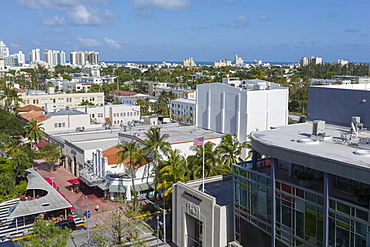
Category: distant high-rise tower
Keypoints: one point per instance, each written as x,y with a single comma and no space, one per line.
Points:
84,57
35,56
4,50
312,60
54,58
189,62
238,60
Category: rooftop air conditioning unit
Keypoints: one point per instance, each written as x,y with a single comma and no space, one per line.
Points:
318,127
234,244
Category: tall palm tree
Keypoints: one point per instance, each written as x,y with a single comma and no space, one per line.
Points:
133,152
212,162
173,170
34,131
154,145
230,149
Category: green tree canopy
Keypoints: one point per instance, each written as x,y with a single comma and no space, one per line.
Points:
45,233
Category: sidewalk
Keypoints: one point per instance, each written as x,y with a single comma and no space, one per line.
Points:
94,196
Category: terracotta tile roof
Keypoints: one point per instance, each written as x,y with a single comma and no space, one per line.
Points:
30,108
110,154
18,90
125,92
39,117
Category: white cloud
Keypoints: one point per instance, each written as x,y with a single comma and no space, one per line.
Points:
161,4
54,21
145,8
73,12
112,43
57,30
264,18
241,21
14,45
35,42
82,15
60,5
88,42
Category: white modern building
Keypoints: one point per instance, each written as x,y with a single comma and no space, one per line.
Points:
114,115
310,60
203,218
35,56
54,58
255,105
84,57
189,62
115,179
183,110
4,50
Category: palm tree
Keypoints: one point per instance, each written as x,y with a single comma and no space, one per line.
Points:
173,170
154,145
11,99
230,149
133,152
212,162
34,131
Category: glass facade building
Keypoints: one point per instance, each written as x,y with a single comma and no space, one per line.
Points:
273,208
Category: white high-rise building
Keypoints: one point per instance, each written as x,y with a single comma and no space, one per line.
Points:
4,50
35,56
54,58
84,57
238,60
311,60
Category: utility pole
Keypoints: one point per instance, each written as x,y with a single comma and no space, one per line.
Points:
87,217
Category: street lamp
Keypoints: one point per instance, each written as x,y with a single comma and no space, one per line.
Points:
87,217
157,230
164,216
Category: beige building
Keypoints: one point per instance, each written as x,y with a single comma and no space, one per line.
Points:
60,100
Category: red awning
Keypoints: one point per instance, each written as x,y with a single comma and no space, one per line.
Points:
74,181
71,208
50,182
41,144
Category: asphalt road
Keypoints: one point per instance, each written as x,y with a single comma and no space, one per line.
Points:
80,238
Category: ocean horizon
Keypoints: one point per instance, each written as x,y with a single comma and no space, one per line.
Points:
179,62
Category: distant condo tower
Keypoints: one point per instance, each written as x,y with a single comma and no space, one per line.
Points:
311,60
35,56
84,57
54,58
189,62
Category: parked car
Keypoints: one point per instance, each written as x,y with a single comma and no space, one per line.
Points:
70,223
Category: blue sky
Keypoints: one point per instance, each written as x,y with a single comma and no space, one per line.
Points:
207,30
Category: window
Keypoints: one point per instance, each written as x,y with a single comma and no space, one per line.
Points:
92,115
55,125
124,114
100,114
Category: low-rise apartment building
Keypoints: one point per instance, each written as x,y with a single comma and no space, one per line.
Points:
60,100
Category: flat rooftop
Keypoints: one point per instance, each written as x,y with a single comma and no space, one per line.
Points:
362,86
333,153
63,112
220,187
177,134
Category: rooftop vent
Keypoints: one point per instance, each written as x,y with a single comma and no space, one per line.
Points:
318,127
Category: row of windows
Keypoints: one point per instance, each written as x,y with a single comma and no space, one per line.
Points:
59,125
123,114
61,100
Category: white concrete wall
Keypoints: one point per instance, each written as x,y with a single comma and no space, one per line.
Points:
231,110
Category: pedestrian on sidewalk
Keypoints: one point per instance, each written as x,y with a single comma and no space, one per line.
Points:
97,208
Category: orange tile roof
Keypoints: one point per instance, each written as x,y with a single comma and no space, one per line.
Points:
39,117
110,154
30,108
